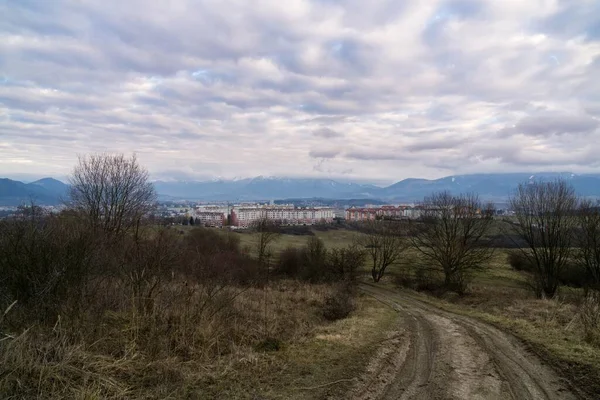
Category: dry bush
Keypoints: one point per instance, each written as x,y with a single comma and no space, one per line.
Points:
99,305
48,265
519,262
314,263
573,275
208,241
344,263
589,315
339,304
193,335
290,262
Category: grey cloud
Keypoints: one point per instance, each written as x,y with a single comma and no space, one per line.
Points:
376,155
553,124
324,153
440,144
560,23
327,133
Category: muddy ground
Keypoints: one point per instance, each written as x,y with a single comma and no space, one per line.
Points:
435,354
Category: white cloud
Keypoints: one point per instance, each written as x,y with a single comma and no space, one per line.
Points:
369,90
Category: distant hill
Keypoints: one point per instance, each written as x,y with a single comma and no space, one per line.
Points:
47,191
53,186
264,188
494,187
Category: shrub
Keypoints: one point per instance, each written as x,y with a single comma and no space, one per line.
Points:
208,241
589,314
290,262
519,262
343,264
573,275
402,279
46,265
339,304
269,344
425,281
314,261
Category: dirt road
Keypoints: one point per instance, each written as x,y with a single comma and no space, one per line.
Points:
436,354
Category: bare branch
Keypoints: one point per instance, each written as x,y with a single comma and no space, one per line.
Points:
112,191
546,221
450,235
384,245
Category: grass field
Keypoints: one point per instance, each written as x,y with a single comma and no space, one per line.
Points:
331,238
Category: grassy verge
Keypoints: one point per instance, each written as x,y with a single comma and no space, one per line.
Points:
320,365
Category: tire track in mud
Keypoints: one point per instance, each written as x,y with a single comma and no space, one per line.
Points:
414,376
450,356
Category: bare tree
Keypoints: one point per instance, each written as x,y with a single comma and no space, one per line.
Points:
384,244
545,213
344,263
112,191
267,232
450,236
588,242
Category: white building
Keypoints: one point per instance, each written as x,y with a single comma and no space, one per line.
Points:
285,215
210,218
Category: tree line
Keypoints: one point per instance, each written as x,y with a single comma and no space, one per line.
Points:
552,229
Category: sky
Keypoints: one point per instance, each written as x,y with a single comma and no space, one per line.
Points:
347,89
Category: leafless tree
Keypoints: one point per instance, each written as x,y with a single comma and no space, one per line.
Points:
545,213
384,244
266,233
112,191
588,242
450,236
344,263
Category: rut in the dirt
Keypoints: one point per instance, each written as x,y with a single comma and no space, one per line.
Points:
447,356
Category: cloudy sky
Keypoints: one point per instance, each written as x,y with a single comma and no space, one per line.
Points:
366,90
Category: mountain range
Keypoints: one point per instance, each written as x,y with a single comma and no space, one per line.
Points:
47,191
494,187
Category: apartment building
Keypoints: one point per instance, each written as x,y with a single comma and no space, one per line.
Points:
384,212
285,215
211,218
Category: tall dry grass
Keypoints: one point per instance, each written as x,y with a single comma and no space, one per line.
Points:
152,315
194,337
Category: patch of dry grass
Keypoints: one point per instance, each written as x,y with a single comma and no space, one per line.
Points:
195,347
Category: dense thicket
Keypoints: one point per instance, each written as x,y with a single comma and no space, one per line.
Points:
314,263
